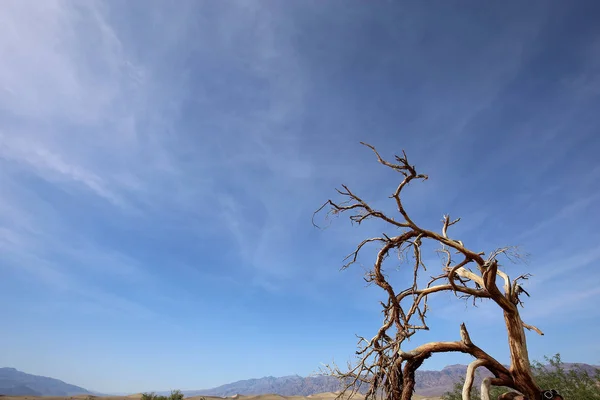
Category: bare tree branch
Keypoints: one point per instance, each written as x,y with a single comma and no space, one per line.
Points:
485,388
382,366
470,377
533,328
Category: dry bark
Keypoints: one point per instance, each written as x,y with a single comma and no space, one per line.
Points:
382,364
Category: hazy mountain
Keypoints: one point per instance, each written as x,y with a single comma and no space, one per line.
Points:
18,390
14,382
428,383
292,385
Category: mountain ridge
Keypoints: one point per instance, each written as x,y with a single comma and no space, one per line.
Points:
14,382
428,383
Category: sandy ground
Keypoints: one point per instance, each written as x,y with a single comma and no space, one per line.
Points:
320,396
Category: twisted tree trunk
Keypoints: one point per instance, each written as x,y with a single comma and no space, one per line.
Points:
520,368
381,362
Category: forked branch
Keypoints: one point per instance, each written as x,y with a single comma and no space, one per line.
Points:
382,365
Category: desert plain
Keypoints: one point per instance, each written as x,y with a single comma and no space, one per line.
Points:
320,396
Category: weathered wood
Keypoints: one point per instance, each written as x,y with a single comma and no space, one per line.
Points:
382,364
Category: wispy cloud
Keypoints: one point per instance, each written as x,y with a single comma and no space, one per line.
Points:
69,109
567,211
161,163
575,301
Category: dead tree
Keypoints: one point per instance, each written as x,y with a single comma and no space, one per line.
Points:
383,367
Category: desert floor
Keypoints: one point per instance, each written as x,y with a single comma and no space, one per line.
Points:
320,396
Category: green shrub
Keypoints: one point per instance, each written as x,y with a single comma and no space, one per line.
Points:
175,395
149,396
575,384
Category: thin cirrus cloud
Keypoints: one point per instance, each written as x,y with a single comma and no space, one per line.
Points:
160,164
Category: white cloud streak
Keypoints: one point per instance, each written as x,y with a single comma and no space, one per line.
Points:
89,108
82,113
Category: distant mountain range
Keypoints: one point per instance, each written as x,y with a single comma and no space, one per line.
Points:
293,385
429,383
17,383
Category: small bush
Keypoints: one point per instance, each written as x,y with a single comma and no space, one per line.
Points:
574,384
175,395
149,396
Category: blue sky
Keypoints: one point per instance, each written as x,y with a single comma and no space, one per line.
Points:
160,163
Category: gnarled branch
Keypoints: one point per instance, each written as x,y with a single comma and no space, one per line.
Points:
382,364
